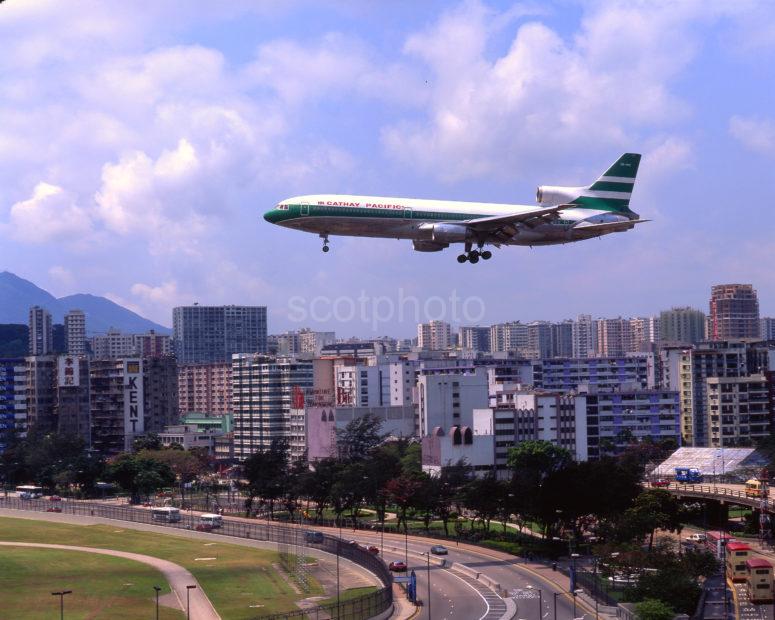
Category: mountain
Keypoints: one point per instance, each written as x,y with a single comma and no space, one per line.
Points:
18,294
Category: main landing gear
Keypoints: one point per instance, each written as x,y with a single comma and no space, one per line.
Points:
325,242
473,256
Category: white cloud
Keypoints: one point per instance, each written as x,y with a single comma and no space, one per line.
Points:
756,134
546,95
49,214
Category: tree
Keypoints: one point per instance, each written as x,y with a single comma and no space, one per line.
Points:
671,585
151,441
653,509
357,440
538,457
186,465
485,497
403,491
140,476
266,475
653,609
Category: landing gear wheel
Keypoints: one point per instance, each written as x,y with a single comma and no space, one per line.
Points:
324,237
473,257
326,248
462,258
487,255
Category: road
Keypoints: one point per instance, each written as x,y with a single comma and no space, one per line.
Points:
508,571
178,577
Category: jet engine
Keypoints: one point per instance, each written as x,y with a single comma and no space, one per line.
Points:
552,195
447,233
428,246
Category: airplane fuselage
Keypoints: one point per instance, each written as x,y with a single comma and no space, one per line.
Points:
410,218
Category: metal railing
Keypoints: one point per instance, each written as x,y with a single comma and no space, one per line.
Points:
712,491
359,608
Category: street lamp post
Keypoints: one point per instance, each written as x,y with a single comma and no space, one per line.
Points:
428,556
556,594
158,589
575,592
573,557
540,601
188,601
61,594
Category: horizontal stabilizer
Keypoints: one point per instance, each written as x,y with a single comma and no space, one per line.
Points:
608,226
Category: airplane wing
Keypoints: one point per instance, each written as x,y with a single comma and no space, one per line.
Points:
528,218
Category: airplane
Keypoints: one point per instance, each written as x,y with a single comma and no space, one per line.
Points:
563,215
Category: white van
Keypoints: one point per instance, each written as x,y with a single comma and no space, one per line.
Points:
213,520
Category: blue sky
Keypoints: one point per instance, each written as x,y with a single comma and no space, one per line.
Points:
139,150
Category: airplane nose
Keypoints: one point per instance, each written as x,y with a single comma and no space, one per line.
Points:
271,216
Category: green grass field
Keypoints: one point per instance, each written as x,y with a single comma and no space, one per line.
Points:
103,587
239,579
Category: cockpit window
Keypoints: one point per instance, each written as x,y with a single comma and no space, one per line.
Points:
281,207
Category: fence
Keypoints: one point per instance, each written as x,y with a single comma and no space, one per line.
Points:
359,608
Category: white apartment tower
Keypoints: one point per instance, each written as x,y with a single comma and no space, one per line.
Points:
75,332
434,336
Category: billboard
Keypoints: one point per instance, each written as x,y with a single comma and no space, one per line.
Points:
68,374
134,408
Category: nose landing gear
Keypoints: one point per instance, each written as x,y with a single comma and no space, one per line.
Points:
325,242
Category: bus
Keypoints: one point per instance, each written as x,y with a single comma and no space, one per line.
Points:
167,514
753,488
28,491
212,520
688,474
759,581
736,557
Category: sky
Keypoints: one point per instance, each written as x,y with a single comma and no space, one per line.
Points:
140,148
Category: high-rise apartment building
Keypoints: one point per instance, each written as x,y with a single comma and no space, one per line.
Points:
684,325
434,336
75,332
71,402
767,328
41,378
13,400
41,336
562,339
264,391
725,359
612,337
740,411
206,334
642,334
539,339
205,388
312,342
115,344
474,338
511,336
734,312
128,398
584,335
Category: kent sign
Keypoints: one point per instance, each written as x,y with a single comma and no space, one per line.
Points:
134,409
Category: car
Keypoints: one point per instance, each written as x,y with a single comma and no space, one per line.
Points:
204,527
55,498
696,537
439,550
374,550
662,482
353,543
54,509
313,537
397,566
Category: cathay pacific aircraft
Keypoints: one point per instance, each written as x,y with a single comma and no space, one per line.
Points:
563,215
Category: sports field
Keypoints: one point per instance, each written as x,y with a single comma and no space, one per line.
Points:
103,587
241,582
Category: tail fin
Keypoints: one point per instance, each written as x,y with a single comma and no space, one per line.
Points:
612,191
